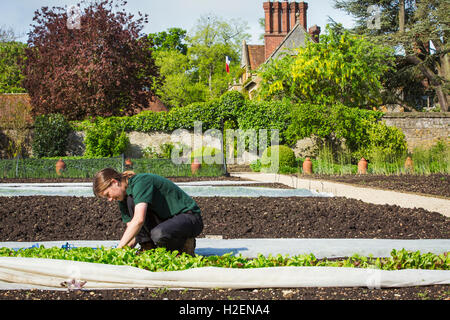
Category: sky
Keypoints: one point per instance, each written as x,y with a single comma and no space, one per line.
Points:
164,14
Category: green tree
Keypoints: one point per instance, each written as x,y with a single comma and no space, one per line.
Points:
341,68
179,86
277,79
105,138
211,41
10,71
410,26
334,124
199,74
172,39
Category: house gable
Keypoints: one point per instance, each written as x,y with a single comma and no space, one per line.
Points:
294,39
285,30
252,56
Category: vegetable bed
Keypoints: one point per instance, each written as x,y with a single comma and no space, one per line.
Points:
61,218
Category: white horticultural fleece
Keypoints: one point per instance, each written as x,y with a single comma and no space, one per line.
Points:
26,273
48,273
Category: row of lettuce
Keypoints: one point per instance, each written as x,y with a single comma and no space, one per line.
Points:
161,259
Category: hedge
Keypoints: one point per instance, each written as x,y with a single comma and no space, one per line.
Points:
244,114
293,122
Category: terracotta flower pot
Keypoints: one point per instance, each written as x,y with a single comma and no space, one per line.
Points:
195,165
307,166
128,164
60,166
409,164
362,166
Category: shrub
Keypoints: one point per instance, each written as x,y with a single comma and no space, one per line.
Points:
231,103
235,112
256,165
286,158
165,151
209,155
331,122
360,130
145,121
50,136
184,117
385,143
104,138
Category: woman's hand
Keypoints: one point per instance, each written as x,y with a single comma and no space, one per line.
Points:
132,243
134,226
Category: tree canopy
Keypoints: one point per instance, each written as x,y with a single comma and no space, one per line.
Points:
101,68
172,39
11,77
198,74
212,40
418,30
179,84
341,68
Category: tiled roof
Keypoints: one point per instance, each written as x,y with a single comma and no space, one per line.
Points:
9,103
156,105
255,55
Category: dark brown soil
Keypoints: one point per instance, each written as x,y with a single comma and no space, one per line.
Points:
46,218
437,292
71,218
238,181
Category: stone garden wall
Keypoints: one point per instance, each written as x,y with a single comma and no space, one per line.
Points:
420,129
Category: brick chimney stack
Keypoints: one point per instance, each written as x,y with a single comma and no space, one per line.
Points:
285,26
268,16
303,8
293,10
314,31
281,18
276,8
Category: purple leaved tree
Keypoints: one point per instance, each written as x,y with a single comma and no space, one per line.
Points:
88,60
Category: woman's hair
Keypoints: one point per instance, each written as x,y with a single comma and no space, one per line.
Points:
103,179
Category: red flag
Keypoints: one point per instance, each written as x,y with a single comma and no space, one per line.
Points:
227,64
